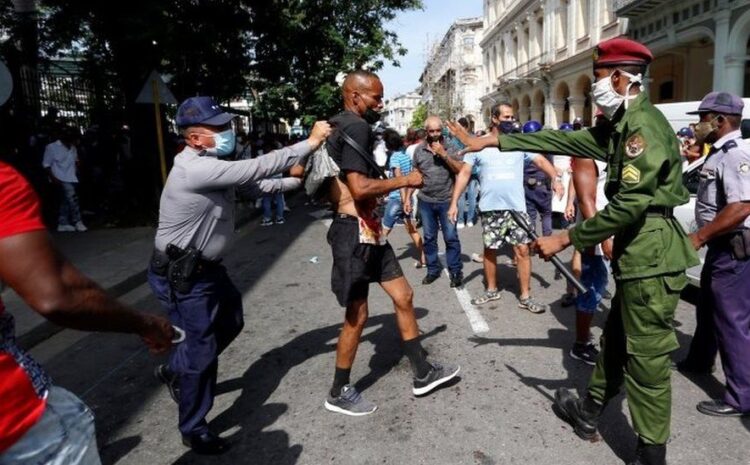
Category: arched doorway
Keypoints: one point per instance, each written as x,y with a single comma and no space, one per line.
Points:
537,107
561,103
524,112
581,100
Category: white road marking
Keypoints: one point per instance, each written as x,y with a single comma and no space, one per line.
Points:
477,322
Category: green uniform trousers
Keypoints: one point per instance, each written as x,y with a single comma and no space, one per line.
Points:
635,348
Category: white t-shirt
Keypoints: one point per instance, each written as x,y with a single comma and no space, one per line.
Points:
601,197
61,160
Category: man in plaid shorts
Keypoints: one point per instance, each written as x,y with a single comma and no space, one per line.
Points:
501,185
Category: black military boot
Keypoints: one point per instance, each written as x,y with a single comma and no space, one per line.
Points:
650,454
582,414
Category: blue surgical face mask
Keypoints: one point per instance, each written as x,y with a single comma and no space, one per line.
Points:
224,144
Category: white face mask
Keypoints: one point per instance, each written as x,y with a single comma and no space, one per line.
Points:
607,99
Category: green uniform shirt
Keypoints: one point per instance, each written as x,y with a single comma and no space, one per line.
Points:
644,170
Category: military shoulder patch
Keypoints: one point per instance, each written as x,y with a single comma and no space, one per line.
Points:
744,168
635,146
631,175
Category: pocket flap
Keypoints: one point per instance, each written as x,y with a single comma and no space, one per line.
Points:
652,344
677,282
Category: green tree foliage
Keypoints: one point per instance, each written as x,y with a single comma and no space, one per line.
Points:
284,54
419,115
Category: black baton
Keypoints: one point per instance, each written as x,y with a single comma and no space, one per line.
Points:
521,221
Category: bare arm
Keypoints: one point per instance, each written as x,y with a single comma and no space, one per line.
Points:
453,164
462,180
52,286
584,180
362,187
726,221
549,169
473,143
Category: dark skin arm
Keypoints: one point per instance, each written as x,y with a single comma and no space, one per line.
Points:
726,221
585,179
363,188
53,287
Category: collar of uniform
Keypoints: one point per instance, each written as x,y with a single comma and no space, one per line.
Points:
633,106
731,136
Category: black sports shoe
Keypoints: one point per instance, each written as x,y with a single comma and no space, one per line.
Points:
587,353
685,366
457,280
430,278
164,375
581,414
438,374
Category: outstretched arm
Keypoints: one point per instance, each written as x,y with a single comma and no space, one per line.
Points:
52,286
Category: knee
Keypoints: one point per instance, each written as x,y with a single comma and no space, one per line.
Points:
404,298
522,251
356,314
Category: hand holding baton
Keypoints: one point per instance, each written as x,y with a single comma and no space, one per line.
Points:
521,221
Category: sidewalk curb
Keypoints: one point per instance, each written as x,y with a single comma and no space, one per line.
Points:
46,329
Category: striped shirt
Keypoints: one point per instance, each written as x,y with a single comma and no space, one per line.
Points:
401,161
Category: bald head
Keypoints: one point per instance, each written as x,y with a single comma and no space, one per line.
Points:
433,122
362,91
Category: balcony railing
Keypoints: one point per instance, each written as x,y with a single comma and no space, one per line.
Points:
628,8
525,69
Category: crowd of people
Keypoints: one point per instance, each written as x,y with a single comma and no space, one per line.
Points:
625,182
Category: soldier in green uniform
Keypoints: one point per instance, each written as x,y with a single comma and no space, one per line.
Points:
651,251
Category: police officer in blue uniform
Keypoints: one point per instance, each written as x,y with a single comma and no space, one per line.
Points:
723,216
537,187
196,222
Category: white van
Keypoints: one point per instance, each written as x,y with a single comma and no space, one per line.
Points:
677,116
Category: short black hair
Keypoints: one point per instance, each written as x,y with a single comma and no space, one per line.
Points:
496,108
421,133
392,139
463,122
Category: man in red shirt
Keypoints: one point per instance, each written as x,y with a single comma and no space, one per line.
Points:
40,422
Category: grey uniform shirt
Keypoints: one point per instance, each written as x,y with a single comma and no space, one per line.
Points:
438,177
197,204
724,178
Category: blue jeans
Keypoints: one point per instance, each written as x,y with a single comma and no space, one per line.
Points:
594,276
211,315
467,203
434,215
64,435
70,212
266,202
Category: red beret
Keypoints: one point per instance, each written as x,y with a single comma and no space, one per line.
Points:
621,51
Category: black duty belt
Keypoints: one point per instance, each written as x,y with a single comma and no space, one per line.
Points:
666,212
160,261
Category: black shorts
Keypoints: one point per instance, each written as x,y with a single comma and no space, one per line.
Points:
357,265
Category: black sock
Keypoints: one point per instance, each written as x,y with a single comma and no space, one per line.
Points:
340,379
416,355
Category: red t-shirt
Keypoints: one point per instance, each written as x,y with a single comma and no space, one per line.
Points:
21,405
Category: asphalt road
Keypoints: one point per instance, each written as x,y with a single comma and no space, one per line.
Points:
273,379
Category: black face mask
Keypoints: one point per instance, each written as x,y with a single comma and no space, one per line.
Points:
371,116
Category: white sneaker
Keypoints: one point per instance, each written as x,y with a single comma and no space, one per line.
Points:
80,227
460,225
65,228
469,224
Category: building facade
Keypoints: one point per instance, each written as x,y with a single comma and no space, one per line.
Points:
399,111
537,56
452,81
698,45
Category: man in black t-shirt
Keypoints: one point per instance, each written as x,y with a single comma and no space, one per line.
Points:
361,254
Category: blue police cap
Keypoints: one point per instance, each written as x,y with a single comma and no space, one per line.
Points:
201,110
